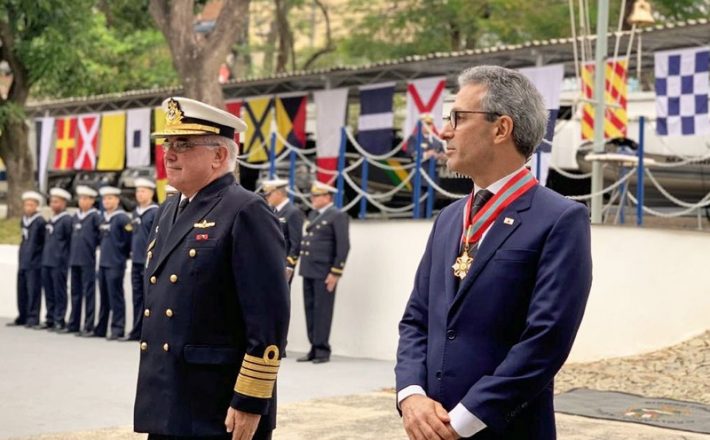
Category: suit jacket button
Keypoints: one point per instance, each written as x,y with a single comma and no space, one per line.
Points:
144,346
438,375
192,253
173,278
146,313
169,313
166,347
451,335
153,280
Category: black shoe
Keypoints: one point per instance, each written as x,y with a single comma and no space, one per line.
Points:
321,360
306,358
43,326
59,328
130,338
94,335
15,323
69,330
29,325
114,337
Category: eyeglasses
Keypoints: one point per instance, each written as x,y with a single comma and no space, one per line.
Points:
180,146
455,115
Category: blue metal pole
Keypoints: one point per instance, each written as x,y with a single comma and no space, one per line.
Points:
364,176
292,174
430,189
622,199
272,157
341,166
417,172
639,177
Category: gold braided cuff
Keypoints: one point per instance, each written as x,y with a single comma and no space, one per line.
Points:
258,375
336,271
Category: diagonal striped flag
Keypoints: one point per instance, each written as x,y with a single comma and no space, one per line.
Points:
88,126
258,116
291,119
376,123
615,118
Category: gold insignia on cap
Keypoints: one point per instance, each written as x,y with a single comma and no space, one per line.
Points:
203,224
258,375
174,115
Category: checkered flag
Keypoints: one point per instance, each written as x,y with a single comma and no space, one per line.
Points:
682,92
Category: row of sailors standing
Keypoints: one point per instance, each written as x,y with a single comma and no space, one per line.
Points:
66,244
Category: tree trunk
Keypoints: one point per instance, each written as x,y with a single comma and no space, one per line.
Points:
15,152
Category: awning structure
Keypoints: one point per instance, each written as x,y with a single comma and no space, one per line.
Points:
690,33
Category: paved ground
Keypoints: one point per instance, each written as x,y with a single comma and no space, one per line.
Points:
59,387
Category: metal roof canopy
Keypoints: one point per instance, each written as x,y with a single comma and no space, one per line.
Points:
691,33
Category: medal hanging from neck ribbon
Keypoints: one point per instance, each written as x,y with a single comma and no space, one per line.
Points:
473,228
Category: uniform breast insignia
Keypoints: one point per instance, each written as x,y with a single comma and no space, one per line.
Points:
128,227
258,374
50,228
202,237
151,245
204,224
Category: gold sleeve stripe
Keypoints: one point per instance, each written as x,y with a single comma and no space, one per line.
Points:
257,367
257,375
262,361
254,387
336,270
292,260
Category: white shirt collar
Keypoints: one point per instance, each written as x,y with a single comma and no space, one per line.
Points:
28,221
58,216
82,215
108,217
141,210
322,210
498,184
281,205
183,197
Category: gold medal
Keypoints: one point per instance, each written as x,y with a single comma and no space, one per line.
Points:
462,264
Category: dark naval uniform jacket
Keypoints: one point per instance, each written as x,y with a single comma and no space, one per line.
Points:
494,341
116,232
325,244
292,221
216,313
85,238
57,241
33,232
142,225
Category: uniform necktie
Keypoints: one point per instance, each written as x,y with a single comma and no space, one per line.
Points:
181,207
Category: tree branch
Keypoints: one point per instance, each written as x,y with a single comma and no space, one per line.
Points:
226,30
329,47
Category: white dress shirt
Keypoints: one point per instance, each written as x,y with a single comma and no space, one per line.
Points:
463,421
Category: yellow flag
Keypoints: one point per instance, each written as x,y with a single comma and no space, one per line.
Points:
257,140
161,179
112,147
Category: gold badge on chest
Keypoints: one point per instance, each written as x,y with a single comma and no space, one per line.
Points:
463,264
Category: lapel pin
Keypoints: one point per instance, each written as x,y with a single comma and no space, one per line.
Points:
508,221
202,237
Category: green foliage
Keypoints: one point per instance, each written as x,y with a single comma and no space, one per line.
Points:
10,231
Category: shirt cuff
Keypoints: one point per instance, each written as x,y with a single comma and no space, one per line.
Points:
409,391
464,422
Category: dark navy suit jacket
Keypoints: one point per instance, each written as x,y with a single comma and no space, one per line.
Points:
115,240
85,239
142,224
325,244
32,242
495,341
216,303
57,241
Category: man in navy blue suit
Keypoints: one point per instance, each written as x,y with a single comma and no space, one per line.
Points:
55,260
501,289
29,273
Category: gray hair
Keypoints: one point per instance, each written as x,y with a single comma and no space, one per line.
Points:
227,143
510,93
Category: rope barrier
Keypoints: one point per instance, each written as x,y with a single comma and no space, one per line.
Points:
605,190
439,189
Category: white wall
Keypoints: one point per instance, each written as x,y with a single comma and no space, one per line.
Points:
651,289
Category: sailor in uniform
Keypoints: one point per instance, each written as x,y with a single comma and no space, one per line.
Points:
291,218
55,260
324,249
29,273
143,217
82,260
115,248
216,300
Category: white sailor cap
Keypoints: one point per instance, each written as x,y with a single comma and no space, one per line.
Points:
109,191
187,117
270,185
319,188
33,195
83,190
59,192
142,182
